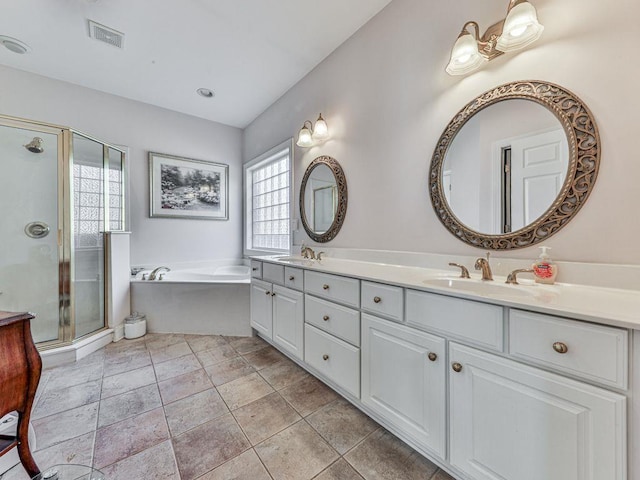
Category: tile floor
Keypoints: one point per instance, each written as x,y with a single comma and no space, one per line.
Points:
210,408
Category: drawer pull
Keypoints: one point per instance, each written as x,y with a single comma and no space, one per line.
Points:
457,367
325,357
292,278
377,299
326,318
432,356
267,293
560,347
325,287
255,269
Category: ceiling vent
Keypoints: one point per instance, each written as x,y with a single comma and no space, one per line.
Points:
106,34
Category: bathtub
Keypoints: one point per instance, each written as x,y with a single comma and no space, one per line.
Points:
201,300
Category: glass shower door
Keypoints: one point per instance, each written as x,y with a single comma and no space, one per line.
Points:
30,257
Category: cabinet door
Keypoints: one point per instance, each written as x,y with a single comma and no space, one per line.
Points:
288,320
403,379
261,312
513,422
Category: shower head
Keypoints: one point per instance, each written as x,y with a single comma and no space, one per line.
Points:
35,145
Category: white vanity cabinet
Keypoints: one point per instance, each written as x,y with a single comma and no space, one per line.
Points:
261,307
509,421
487,391
277,312
403,379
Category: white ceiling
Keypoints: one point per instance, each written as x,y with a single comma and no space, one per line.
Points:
249,52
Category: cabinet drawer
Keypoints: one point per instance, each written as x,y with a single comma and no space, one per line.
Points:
594,352
336,360
384,300
256,269
339,289
293,278
273,273
335,319
474,322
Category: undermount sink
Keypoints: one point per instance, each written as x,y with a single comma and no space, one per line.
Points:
486,288
295,260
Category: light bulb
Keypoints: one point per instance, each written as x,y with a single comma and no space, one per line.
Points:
521,28
304,137
465,56
320,130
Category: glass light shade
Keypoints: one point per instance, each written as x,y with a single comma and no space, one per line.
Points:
521,28
465,56
320,130
304,138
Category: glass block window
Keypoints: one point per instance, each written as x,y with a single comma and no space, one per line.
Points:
268,201
88,208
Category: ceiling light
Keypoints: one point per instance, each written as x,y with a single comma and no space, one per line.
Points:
15,45
519,29
310,135
205,92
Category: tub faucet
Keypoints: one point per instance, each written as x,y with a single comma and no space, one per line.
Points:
483,264
154,272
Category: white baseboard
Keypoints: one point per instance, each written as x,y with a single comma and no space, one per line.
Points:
74,352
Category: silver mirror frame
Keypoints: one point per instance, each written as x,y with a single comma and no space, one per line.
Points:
341,210
584,161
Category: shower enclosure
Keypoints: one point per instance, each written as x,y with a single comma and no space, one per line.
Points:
60,191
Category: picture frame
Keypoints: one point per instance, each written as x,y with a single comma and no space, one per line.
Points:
187,188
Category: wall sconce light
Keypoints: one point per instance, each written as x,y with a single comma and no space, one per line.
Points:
310,135
519,29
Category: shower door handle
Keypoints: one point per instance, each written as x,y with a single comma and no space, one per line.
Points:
37,230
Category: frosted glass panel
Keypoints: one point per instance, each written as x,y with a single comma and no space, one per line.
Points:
29,193
88,228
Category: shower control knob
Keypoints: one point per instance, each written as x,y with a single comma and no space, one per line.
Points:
37,229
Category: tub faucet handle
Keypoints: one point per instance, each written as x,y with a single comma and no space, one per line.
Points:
155,271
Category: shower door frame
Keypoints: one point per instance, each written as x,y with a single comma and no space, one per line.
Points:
65,232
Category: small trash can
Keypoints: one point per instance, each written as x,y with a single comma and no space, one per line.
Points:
135,325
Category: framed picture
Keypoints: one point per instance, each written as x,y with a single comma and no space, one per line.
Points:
187,188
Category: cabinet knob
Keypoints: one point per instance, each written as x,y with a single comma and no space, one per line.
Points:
325,287
292,278
326,318
377,299
432,356
255,269
267,293
325,357
560,347
457,367
273,294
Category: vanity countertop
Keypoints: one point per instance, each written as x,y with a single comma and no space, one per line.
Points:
609,306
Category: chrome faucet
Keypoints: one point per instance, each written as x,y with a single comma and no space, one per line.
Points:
483,264
307,252
154,272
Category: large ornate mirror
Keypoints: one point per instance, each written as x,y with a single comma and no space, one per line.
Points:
323,199
514,165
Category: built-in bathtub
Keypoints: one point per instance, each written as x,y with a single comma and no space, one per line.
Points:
209,300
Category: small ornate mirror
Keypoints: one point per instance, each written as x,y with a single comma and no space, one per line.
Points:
514,165
323,199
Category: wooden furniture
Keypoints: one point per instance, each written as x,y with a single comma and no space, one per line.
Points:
20,367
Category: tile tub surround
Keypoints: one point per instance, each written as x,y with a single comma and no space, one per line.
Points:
150,408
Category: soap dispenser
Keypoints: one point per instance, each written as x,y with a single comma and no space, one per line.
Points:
544,269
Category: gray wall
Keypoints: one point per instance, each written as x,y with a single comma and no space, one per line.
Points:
142,128
386,98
